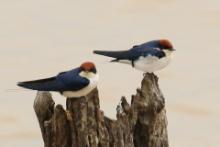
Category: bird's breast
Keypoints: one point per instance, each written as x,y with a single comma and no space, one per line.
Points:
151,63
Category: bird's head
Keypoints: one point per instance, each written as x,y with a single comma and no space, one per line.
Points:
88,70
165,44
162,44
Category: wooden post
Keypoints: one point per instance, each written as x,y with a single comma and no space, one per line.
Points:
83,124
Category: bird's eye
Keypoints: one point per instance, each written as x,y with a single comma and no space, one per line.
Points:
93,70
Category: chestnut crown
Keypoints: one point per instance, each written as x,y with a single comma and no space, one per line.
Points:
88,67
166,44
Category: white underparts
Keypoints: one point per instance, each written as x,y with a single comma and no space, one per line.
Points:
152,63
92,77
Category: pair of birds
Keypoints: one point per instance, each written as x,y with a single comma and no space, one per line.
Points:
147,57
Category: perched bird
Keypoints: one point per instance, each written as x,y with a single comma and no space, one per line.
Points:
77,82
147,57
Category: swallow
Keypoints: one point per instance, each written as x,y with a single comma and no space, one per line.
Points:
74,83
147,57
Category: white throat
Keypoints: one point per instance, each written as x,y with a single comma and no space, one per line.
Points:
168,52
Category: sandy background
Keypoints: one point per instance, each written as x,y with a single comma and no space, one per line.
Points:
41,38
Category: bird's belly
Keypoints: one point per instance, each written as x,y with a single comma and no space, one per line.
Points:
150,63
82,92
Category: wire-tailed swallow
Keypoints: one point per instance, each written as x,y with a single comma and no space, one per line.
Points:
147,57
77,82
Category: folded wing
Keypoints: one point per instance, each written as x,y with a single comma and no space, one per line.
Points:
152,52
63,82
133,53
119,55
49,84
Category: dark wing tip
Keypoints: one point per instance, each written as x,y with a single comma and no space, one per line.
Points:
119,55
26,84
21,84
96,51
104,53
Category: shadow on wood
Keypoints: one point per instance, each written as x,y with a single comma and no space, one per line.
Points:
83,124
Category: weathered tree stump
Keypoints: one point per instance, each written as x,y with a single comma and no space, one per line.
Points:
83,124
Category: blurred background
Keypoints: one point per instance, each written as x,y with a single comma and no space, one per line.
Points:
40,38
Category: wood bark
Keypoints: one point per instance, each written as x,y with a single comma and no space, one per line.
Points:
142,123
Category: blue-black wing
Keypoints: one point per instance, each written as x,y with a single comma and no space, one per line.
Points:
132,54
65,81
118,55
146,51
